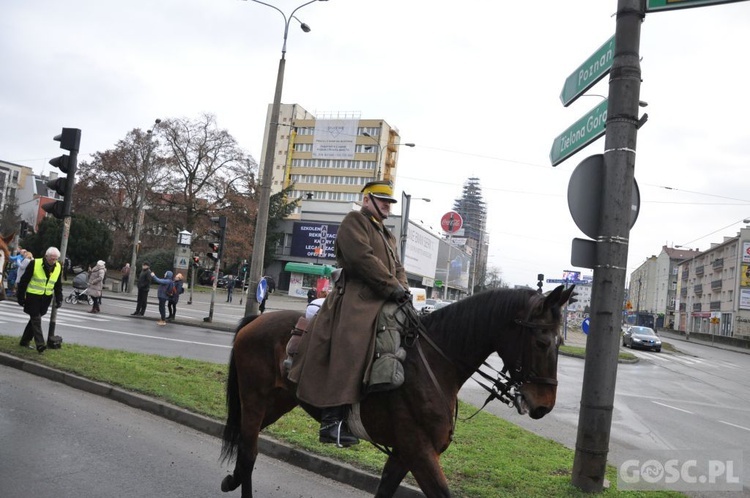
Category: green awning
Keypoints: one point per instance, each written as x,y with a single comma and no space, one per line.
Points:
309,268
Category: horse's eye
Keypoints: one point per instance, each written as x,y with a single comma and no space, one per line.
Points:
541,344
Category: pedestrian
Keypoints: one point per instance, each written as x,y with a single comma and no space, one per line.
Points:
230,287
337,350
24,263
144,285
268,287
166,288
66,268
312,294
4,258
125,276
96,284
36,289
174,298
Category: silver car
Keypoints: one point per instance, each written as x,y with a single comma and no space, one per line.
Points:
641,338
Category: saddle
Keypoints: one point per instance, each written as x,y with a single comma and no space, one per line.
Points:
392,332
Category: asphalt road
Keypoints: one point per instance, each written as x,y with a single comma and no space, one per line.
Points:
60,442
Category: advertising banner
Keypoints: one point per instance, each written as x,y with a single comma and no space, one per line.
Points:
314,240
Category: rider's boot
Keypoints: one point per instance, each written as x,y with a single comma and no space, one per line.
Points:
333,428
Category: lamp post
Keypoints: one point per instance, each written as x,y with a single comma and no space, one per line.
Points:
141,206
379,153
264,200
406,201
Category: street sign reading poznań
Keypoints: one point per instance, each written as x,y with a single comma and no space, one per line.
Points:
583,132
659,5
589,73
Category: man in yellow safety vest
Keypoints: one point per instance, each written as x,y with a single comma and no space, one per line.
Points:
39,284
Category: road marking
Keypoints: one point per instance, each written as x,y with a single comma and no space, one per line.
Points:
673,407
169,339
735,425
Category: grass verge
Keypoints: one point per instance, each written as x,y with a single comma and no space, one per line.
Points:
489,457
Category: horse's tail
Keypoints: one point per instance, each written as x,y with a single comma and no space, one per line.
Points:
231,435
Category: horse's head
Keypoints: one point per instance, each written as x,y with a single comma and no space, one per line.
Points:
535,368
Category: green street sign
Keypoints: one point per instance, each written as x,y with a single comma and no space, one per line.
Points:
438,283
660,5
589,73
583,132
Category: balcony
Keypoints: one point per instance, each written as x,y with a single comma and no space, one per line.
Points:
717,264
715,285
698,289
683,306
715,306
685,274
699,271
696,306
683,292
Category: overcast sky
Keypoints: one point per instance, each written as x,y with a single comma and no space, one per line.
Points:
474,84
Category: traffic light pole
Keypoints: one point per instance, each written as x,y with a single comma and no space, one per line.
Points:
70,140
222,222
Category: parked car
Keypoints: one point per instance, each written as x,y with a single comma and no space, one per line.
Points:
429,305
641,338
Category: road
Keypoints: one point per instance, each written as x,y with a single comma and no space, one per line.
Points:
695,399
61,442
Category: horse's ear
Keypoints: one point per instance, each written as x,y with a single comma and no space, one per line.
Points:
558,297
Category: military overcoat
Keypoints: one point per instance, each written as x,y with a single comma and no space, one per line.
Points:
337,350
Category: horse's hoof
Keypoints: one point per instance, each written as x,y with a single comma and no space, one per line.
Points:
228,484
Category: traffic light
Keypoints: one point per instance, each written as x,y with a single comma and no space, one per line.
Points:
217,248
70,140
540,283
215,253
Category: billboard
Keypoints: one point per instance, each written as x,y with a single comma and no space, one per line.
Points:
421,251
314,240
571,276
335,138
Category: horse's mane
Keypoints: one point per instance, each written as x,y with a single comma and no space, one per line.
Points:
473,322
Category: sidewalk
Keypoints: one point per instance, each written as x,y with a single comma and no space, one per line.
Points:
201,297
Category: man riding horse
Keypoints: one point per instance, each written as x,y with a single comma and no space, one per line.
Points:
337,351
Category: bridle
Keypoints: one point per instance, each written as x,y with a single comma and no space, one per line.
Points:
506,386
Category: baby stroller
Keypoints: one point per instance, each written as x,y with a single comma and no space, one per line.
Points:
80,285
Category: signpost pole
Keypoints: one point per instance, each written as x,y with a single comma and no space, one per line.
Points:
602,348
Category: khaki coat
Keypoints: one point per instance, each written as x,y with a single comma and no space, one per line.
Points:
336,352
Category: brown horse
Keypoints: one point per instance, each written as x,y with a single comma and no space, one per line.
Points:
416,420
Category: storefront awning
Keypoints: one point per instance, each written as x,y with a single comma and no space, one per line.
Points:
309,268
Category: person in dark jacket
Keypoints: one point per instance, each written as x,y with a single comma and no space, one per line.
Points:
166,288
144,285
41,281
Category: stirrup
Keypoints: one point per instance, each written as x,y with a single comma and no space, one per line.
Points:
349,438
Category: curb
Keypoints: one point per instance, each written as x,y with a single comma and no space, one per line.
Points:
268,446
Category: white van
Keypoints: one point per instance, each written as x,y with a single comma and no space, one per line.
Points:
418,298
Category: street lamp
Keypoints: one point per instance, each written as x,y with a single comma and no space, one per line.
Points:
141,206
406,201
264,200
379,153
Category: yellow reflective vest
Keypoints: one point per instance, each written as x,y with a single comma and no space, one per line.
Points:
40,284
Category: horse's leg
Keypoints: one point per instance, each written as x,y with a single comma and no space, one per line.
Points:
393,473
429,474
